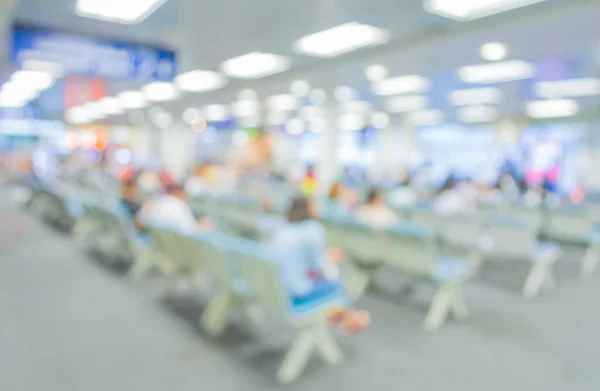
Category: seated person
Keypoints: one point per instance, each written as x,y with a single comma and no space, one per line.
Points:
376,213
335,205
455,198
130,201
196,183
308,269
172,211
269,221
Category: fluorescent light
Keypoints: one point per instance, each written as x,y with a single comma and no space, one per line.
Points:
402,85
160,91
132,99
283,102
110,106
245,108
255,65
376,73
34,80
476,96
94,110
215,112
200,81
568,88
300,88
473,9
11,101
552,108
380,120
78,115
14,92
497,72
351,122
294,126
426,118
341,39
129,11
403,104
56,70
493,51
476,114
344,93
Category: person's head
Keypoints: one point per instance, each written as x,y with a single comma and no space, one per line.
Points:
301,210
375,197
130,190
177,191
336,191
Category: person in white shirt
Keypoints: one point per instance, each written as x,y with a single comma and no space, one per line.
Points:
173,212
376,213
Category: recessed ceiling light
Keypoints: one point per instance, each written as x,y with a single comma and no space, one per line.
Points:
493,51
215,112
476,114
283,102
255,65
129,12
568,88
160,91
132,99
341,39
426,118
247,94
110,106
403,104
380,120
351,122
552,108
476,96
200,81
344,93
469,10
300,88
497,72
318,96
356,106
375,73
294,126
402,85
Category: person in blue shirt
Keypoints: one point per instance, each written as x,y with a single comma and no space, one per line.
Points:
308,269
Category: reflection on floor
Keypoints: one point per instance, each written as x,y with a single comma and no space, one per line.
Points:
72,323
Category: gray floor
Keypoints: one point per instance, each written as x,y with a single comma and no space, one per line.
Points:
69,322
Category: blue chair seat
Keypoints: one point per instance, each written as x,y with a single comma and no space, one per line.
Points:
144,238
450,269
304,305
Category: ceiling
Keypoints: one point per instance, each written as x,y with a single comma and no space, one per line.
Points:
205,33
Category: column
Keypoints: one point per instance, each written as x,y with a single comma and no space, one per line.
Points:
327,164
176,149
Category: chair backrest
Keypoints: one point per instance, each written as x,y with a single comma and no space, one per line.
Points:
461,231
362,243
532,216
412,247
511,237
167,242
335,232
427,217
261,275
211,252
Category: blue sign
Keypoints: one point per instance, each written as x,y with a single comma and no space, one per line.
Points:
87,56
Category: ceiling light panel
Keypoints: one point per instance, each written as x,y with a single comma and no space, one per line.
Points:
477,114
341,39
427,118
245,108
403,104
132,99
33,80
464,10
215,112
255,65
552,108
160,91
111,106
568,88
476,96
128,12
497,72
402,85
200,81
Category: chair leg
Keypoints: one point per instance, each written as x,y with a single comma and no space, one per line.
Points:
439,308
297,356
140,268
458,307
214,318
357,282
327,346
535,279
590,260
